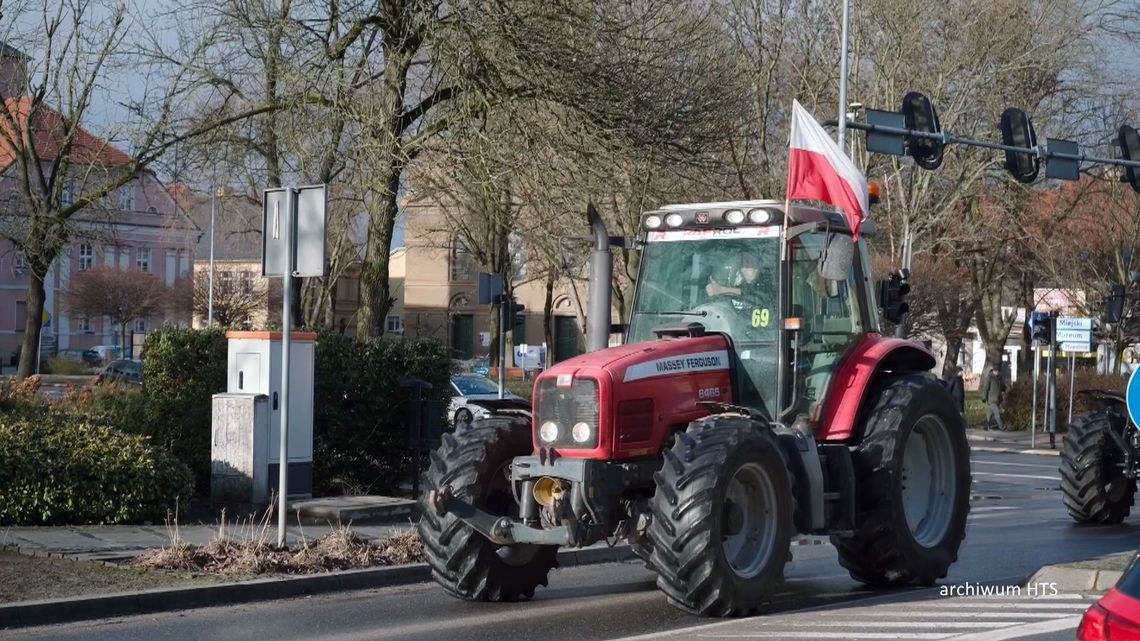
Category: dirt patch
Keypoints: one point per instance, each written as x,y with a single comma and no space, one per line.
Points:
27,578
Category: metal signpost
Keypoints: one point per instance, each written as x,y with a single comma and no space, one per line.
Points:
1075,336
294,222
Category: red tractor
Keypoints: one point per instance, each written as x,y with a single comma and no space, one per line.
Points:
754,398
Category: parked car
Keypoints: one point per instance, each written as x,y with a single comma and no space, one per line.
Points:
107,352
1117,614
91,357
475,396
121,371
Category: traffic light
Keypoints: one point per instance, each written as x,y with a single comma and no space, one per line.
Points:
1130,150
892,297
517,310
919,115
1114,308
1017,131
1041,328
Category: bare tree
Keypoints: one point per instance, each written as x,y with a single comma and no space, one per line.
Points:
122,295
238,297
60,169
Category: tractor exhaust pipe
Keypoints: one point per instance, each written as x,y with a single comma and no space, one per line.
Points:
601,281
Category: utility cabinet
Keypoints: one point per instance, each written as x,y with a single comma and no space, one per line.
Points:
254,368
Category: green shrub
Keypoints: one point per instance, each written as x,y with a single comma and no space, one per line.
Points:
359,408
1017,410
65,367
185,364
181,426
56,470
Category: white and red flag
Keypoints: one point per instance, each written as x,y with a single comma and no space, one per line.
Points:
819,170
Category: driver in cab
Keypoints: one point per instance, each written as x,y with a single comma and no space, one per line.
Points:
748,287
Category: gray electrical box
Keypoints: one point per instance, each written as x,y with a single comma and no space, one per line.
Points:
239,452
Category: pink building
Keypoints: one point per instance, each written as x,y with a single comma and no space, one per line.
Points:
138,227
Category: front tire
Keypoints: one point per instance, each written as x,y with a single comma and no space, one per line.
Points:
722,517
1094,487
474,463
913,466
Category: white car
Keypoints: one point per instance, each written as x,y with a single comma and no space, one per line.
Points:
476,396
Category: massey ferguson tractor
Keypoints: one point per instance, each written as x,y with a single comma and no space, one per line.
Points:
753,398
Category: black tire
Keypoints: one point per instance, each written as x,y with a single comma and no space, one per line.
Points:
469,566
884,549
462,417
1093,486
691,517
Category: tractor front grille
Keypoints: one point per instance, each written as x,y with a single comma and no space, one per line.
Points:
566,406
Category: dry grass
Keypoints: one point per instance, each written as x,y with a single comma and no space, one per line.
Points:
248,551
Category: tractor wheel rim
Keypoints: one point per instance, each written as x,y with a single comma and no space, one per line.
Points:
748,520
927,482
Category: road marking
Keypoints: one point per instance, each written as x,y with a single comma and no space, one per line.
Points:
1040,627
830,635
897,624
993,508
1046,467
1019,476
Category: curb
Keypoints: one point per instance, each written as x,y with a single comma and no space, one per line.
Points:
1017,450
1070,580
55,611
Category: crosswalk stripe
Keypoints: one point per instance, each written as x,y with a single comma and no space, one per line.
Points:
942,614
941,625
1077,605
831,635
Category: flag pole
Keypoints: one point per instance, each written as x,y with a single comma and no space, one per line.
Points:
843,76
781,331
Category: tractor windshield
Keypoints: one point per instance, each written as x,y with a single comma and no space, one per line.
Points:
724,279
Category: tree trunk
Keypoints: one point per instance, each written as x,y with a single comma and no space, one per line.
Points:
34,299
375,290
953,351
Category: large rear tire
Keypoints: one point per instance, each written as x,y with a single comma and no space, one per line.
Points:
474,462
1094,488
722,517
913,465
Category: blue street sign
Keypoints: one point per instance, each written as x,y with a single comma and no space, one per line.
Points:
1133,397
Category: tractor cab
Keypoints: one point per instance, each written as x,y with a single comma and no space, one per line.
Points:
747,270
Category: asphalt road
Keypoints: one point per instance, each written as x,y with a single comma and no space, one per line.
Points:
1017,525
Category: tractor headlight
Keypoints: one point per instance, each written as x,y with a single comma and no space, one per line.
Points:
759,216
652,222
673,220
580,432
548,432
734,216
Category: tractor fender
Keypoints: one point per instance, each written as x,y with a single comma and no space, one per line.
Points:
1107,400
870,358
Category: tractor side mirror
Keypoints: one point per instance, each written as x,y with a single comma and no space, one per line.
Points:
835,264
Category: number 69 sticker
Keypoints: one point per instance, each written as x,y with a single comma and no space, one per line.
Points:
760,317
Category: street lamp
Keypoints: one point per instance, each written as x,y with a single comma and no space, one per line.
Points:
215,192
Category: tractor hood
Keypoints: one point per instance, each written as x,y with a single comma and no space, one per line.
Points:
632,395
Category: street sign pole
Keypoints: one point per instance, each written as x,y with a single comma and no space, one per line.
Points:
1036,373
286,309
504,303
1051,393
1072,384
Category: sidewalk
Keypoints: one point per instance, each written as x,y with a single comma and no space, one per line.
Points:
1017,442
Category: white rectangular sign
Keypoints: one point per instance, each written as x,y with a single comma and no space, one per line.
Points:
715,232
1070,322
1076,348
307,235
1073,335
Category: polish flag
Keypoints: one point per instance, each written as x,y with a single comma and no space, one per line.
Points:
819,170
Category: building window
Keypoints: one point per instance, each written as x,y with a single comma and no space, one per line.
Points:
245,282
68,196
140,325
86,257
462,265
142,258
151,210
127,197
394,324
226,281
84,323
21,260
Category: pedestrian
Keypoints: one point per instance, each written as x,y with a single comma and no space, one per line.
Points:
993,392
957,388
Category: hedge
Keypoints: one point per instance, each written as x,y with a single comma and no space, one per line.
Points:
359,443
56,470
1017,410
183,363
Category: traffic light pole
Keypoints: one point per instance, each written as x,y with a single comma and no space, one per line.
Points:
1051,392
1036,375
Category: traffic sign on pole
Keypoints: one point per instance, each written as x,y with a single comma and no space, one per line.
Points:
1132,397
